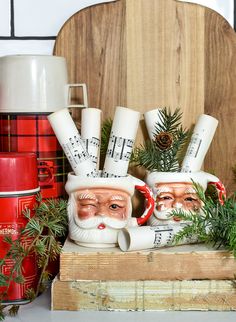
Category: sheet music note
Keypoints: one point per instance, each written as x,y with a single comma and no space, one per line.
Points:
121,142
119,148
90,133
147,237
163,236
203,133
92,147
71,142
74,149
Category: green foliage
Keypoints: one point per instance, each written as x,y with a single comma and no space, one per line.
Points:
46,227
14,310
214,224
105,135
165,151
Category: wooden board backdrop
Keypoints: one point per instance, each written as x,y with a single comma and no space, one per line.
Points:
145,54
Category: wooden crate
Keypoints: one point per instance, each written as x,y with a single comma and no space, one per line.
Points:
189,262
143,295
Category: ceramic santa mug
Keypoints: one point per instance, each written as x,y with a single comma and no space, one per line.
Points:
98,208
175,191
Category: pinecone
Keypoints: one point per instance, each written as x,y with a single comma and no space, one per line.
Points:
164,140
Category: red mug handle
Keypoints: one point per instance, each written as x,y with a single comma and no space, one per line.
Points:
220,189
48,172
149,201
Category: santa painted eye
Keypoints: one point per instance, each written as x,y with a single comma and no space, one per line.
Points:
190,199
114,206
88,204
166,198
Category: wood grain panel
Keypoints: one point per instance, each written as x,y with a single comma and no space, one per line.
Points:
165,56
145,54
220,95
93,42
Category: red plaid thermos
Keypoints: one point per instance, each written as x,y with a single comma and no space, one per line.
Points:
32,87
24,132
18,189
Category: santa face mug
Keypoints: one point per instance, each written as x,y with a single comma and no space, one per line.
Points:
175,191
98,208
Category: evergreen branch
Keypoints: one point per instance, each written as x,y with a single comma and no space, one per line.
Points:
214,224
147,156
14,310
46,224
164,152
168,122
105,135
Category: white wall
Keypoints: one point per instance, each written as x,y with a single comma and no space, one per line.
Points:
37,22
224,7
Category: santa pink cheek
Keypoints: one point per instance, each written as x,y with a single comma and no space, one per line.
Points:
162,205
85,213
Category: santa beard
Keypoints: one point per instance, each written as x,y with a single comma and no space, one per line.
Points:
86,232
162,217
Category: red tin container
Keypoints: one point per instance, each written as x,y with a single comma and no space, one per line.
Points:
33,133
18,189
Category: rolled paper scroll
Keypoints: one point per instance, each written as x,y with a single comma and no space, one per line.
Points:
71,142
151,119
147,237
202,136
121,141
90,133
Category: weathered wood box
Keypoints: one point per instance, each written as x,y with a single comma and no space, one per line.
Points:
191,277
189,262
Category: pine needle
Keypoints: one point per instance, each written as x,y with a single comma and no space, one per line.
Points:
47,224
166,156
215,224
105,135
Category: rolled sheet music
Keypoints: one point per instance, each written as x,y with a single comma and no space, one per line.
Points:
152,118
71,142
148,237
122,137
202,136
90,133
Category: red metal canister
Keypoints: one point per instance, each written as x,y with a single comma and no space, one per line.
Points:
25,132
18,189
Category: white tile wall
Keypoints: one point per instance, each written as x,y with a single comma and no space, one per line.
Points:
45,17
223,7
5,18
33,47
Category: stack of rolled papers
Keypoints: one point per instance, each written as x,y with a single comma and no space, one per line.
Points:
82,151
201,139
73,144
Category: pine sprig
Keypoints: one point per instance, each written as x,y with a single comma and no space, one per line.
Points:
105,135
163,154
169,121
46,227
215,224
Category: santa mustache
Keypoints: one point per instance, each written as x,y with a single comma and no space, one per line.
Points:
94,222
168,213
